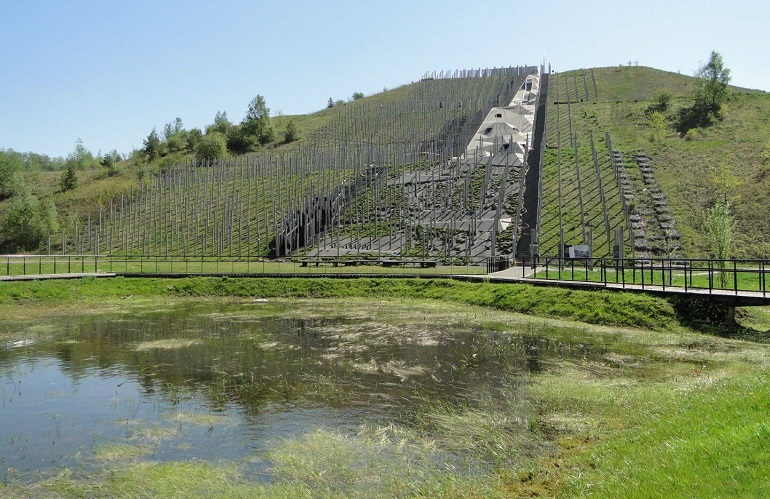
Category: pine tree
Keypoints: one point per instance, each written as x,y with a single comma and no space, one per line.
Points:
152,145
257,122
69,178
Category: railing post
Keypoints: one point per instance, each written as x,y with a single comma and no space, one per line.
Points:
735,276
623,271
663,273
642,262
24,265
685,276
652,272
670,272
711,275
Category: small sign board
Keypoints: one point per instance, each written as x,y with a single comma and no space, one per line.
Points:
580,251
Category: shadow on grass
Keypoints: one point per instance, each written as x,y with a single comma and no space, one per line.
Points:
711,317
697,116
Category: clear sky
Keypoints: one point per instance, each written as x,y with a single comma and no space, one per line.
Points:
108,71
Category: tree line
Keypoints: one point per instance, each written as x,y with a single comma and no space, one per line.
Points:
220,138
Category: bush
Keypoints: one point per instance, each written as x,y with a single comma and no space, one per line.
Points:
240,142
662,99
212,146
28,222
291,134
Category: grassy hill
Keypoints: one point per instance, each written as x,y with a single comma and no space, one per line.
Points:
237,206
729,158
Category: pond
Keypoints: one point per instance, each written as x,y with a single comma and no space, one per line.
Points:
236,381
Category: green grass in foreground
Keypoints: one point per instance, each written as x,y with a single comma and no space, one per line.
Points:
712,443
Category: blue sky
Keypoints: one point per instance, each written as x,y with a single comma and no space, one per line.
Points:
109,71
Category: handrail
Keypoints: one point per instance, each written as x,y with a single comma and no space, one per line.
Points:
731,275
51,265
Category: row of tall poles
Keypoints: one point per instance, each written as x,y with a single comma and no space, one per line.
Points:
352,179
579,193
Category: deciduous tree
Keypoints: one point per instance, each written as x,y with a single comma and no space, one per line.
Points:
28,222
10,164
257,122
212,146
713,78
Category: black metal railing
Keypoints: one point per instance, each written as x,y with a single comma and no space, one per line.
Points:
732,275
46,265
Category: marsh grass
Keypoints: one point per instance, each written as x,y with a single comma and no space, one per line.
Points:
209,420
152,434
680,423
377,464
167,344
119,452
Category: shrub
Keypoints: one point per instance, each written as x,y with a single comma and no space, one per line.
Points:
212,146
291,134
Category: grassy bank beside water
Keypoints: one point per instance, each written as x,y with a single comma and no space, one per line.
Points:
593,307
665,412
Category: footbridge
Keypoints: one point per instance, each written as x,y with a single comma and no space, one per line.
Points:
736,283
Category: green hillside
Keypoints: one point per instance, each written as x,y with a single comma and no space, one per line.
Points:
730,158
166,200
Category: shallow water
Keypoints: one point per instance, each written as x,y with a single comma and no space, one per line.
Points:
213,382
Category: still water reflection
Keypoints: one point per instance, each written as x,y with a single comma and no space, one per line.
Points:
223,382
